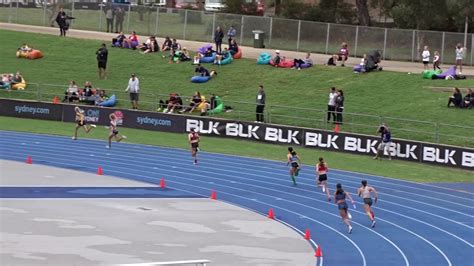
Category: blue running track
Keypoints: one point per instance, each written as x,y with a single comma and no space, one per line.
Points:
417,224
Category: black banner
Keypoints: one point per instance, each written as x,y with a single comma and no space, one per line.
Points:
26,109
415,151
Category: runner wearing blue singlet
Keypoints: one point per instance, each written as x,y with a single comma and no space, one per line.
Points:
340,199
365,193
295,162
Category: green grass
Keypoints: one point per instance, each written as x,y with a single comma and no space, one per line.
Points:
364,164
375,95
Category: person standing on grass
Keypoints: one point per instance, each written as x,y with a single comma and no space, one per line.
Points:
321,171
193,139
133,89
109,16
436,61
340,199
459,57
231,33
260,104
81,122
113,132
218,36
294,160
119,17
61,19
332,105
386,141
339,106
365,193
425,55
102,55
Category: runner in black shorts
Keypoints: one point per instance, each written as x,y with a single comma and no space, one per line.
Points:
193,139
295,162
365,193
321,171
340,199
81,122
113,132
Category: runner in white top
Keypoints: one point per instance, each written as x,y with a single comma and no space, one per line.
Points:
113,132
365,193
459,57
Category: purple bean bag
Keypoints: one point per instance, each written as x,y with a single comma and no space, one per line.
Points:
134,45
306,65
359,69
204,49
450,72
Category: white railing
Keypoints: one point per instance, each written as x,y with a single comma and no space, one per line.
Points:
179,262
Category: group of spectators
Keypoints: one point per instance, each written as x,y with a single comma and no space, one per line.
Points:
87,94
197,102
8,80
335,106
460,53
114,14
458,101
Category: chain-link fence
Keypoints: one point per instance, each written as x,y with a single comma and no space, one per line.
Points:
428,131
395,44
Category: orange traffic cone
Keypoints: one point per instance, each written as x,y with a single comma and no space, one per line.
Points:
271,215
29,160
213,195
100,171
337,128
162,183
307,235
319,253
56,100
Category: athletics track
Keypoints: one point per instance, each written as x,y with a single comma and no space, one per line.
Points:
417,224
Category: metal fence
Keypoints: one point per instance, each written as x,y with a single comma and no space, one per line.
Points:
428,131
308,36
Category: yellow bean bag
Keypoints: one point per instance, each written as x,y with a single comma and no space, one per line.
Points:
19,86
200,107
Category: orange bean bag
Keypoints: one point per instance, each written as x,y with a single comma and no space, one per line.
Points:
238,55
35,54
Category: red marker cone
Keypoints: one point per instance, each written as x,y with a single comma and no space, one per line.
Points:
337,128
271,215
55,100
307,235
319,253
162,183
29,160
100,171
213,195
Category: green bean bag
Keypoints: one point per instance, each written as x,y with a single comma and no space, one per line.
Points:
227,60
428,74
219,106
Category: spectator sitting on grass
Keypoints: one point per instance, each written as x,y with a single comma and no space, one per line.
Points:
332,60
196,100
456,98
173,103
6,81
166,44
118,41
343,54
277,58
219,57
469,99
233,47
202,71
175,46
131,42
184,56
100,96
72,93
152,46
25,48
306,60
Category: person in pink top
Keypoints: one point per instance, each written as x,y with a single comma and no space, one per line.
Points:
131,42
343,53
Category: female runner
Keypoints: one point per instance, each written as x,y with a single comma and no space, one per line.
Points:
340,199
193,138
365,193
81,122
295,162
113,132
321,171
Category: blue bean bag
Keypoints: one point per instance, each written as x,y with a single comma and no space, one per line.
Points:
200,79
264,59
209,59
111,102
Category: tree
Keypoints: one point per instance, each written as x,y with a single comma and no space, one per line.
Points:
363,12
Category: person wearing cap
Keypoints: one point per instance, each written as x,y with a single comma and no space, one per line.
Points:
133,88
277,58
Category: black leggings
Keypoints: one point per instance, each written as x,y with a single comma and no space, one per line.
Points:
62,31
331,112
339,111
219,46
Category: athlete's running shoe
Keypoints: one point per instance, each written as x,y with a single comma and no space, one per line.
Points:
373,223
350,229
94,126
74,138
124,137
108,147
